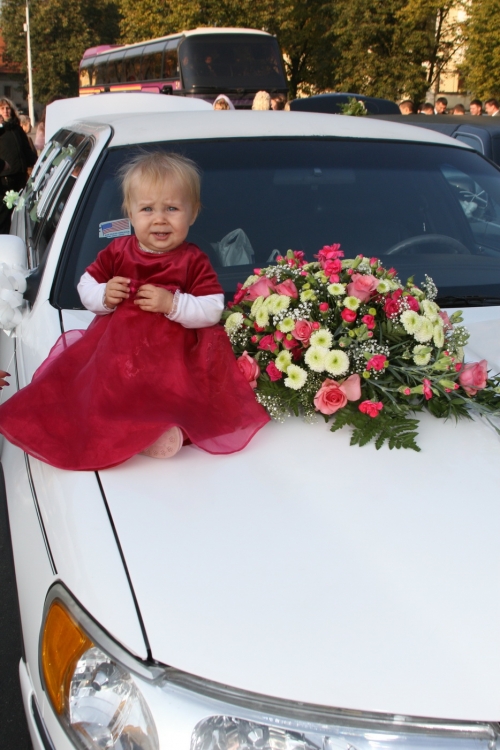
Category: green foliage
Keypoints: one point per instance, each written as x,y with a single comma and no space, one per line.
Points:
482,61
397,430
60,33
354,108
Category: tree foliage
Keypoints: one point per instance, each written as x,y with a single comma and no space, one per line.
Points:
60,33
482,62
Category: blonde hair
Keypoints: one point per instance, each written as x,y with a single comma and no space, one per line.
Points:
261,100
157,167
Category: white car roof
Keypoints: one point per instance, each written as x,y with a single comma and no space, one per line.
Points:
135,128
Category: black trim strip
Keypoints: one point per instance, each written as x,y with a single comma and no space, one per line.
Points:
40,725
125,567
40,519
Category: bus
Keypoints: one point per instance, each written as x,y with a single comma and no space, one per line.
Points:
202,63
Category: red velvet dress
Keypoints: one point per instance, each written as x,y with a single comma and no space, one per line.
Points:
111,391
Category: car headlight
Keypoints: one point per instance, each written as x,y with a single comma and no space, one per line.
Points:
93,693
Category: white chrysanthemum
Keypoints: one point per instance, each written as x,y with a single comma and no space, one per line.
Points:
322,337
421,355
307,296
438,336
352,303
251,280
233,322
315,358
283,360
321,276
296,377
425,331
269,302
286,325
384,286
429,308
394,285
336,362
411,321
257,304
280,304
262,317
336,290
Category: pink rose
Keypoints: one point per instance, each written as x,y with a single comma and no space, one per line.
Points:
333,396
268,343
287,288
372,408
391,307
473,377
303,331
377,362
348,315
362,286
369,321
289,342
413,303
273,371
240,293
261,288
249,369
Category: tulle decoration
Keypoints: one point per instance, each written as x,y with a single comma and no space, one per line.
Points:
12,288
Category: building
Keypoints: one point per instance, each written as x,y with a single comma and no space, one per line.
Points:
12,81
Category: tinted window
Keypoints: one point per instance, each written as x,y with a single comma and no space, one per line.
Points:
423,209
86,73
171,60
101,69
471,140
152,62
132,64
231,61
114,72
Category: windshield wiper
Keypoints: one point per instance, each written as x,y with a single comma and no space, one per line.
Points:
467,300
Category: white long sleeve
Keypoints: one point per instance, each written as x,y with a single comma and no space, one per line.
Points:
190,312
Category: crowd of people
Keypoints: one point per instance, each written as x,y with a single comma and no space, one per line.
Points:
490,107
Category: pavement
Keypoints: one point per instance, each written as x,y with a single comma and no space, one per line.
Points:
14,730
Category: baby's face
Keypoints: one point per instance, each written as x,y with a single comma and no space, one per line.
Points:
160,214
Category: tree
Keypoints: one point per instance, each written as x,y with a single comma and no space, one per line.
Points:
482,61
60,33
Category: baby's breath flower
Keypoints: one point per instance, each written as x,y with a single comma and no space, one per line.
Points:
425,331
421,355
307,296
257,304
336,362
322,337
296,377
336,290
315,358
430,288
352,303
251,280
411,321
283,360
286,325
233,322
262,317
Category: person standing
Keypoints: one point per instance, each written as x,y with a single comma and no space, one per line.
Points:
459,109
407,107
427,109
441,105
16,151
492,108
262,100
476,107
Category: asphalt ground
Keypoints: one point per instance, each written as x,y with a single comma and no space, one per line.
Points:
13,727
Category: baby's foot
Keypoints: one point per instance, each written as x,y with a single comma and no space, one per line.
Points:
167,444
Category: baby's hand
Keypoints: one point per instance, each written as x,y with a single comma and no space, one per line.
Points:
117,289
154,299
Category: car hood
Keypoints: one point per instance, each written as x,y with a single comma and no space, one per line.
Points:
310,570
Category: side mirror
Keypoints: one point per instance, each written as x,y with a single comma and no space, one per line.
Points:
13,251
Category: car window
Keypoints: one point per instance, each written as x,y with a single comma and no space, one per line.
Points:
397,201
471,140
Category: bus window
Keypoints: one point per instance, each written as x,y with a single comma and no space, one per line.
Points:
132,64
114,74
101,69
171,62
86,72
152,62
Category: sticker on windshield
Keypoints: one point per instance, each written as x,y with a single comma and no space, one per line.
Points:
116,228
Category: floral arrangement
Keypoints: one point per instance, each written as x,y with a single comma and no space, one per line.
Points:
354,107
348,340
11,198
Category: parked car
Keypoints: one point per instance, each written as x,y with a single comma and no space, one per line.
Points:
481,133
332,104
301,594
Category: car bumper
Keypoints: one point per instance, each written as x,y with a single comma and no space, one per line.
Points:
40,736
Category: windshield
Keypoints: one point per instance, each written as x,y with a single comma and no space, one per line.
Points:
231,61
421,208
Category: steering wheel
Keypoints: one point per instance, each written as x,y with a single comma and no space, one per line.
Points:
452,245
